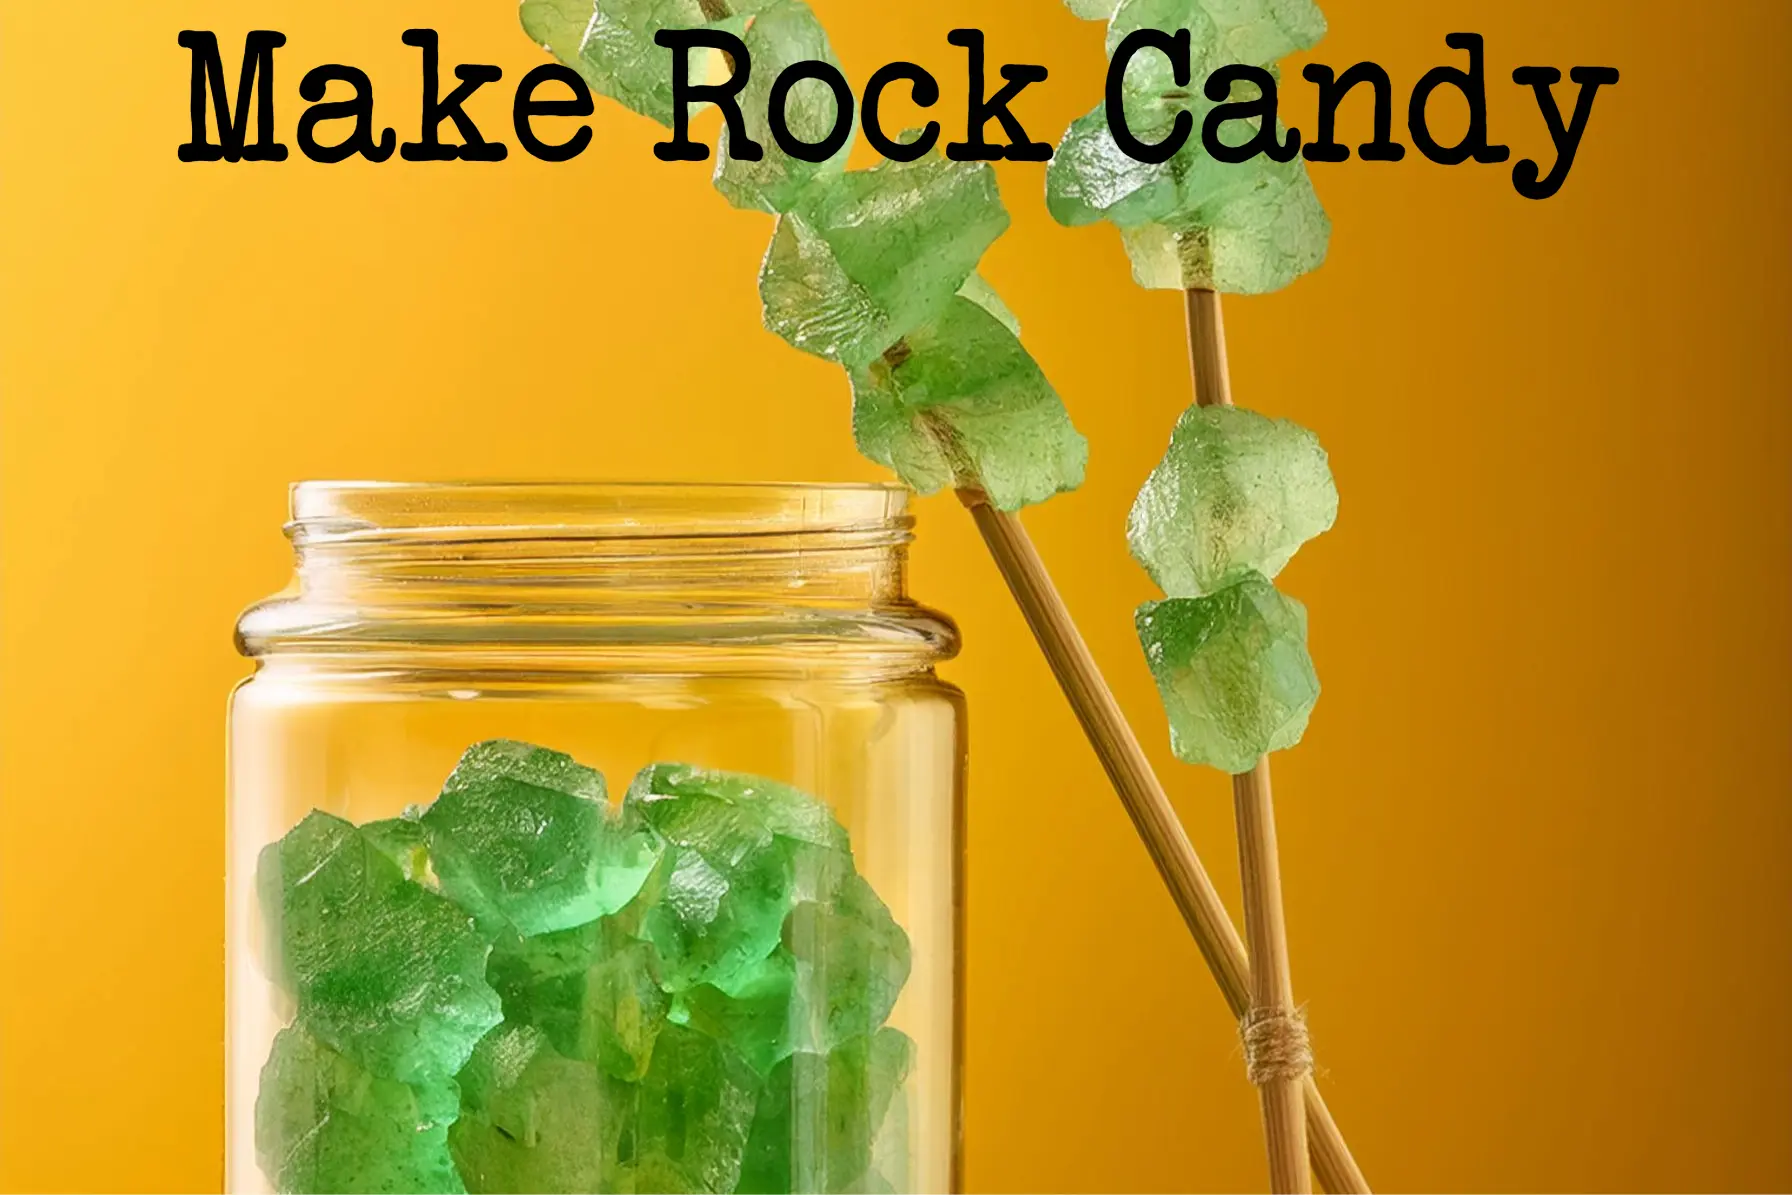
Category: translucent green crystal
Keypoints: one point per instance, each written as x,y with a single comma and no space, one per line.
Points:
984,295
402,840
836,977
1222,32
1244,228
871,255
382,970
524,838
1194,222
695,1108
1233,671
754,1010
783,32
636,1048
533,1120
593,990
780,809
818,1124
610,43
851,960
1236,493
961,403
1091,178
325,1124
736,841
1241,228
1093,10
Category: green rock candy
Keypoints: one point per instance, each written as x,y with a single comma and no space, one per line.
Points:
961,403
610,43
755,1011
984,295
402,840
533,1120
735,843
1093,10
1244,229
695,1107
1236,493
593,990
819,1121
1221,32
1194,222
384,971
721,1030
837,975
874,254
782,33
1091,178
524,838
1233,671
780,809
325,1124
851,960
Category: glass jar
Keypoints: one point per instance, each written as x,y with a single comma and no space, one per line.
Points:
595,837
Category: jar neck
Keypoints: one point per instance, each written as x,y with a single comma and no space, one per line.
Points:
782,545
566,565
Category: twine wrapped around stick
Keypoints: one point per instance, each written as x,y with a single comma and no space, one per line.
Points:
1276,1045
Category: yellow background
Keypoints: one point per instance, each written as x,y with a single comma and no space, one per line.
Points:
1536,840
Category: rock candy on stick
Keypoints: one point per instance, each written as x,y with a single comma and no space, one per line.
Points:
1236,493
1194,222
871,255
782,33
1228,652
1278,1059
610,43
1233,671
960,403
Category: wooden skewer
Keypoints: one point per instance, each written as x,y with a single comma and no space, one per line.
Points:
1272,986
1145,802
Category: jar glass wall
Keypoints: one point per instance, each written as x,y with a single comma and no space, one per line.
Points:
595,838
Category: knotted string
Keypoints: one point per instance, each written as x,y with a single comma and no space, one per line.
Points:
1275,1045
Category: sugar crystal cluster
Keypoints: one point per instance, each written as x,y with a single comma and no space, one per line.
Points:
521,988
1235,497
874,270
1237,494
1193,221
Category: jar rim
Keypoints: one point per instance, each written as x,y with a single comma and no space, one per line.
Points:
342,512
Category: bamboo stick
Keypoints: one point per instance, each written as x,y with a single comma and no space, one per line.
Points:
1273,1012
1145,802
1278,1078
